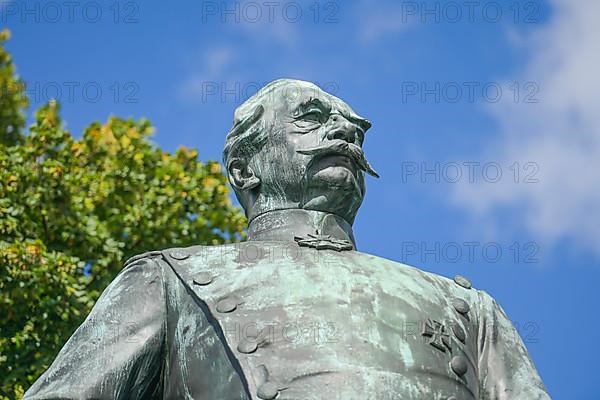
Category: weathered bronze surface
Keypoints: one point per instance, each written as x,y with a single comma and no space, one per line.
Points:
296,312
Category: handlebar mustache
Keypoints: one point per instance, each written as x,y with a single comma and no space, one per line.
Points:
343,148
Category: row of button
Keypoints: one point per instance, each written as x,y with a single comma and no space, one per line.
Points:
268,390
459,363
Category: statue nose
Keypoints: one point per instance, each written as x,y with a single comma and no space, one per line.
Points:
342,129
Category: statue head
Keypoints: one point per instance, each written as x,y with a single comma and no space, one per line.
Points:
294,146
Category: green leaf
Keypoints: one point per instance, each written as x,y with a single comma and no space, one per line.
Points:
72,210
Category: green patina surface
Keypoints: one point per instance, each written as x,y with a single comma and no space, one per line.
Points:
296,312
328,325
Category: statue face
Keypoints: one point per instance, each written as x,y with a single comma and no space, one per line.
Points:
314,154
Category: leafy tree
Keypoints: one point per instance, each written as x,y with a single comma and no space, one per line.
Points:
12,101
72,210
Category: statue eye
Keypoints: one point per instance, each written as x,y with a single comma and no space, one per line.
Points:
314,115
310,120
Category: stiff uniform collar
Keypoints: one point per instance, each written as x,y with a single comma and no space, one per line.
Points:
285,225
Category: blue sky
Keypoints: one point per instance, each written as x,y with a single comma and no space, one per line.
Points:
485,126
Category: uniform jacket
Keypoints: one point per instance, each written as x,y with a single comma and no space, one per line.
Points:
264,320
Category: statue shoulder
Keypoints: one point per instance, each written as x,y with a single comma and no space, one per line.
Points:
174,253
458,286
143,257
422,277
184,261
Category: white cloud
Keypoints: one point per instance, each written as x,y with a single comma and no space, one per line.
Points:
561,133
210,69
271,25
223,63
377,20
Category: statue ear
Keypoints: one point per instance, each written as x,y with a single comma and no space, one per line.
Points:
241,175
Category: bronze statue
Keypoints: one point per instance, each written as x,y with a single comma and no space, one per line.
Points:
295,312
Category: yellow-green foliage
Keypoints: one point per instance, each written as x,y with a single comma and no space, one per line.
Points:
72,210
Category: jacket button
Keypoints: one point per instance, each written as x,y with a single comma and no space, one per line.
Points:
462,281
179,255
461,306
459,365
268,391
226,305
459,332
203,279
247,347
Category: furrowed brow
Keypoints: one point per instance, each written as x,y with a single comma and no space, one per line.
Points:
355,119
314,101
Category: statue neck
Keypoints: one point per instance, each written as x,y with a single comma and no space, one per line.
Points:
283,225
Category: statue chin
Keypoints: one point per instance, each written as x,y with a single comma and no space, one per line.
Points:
334,189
